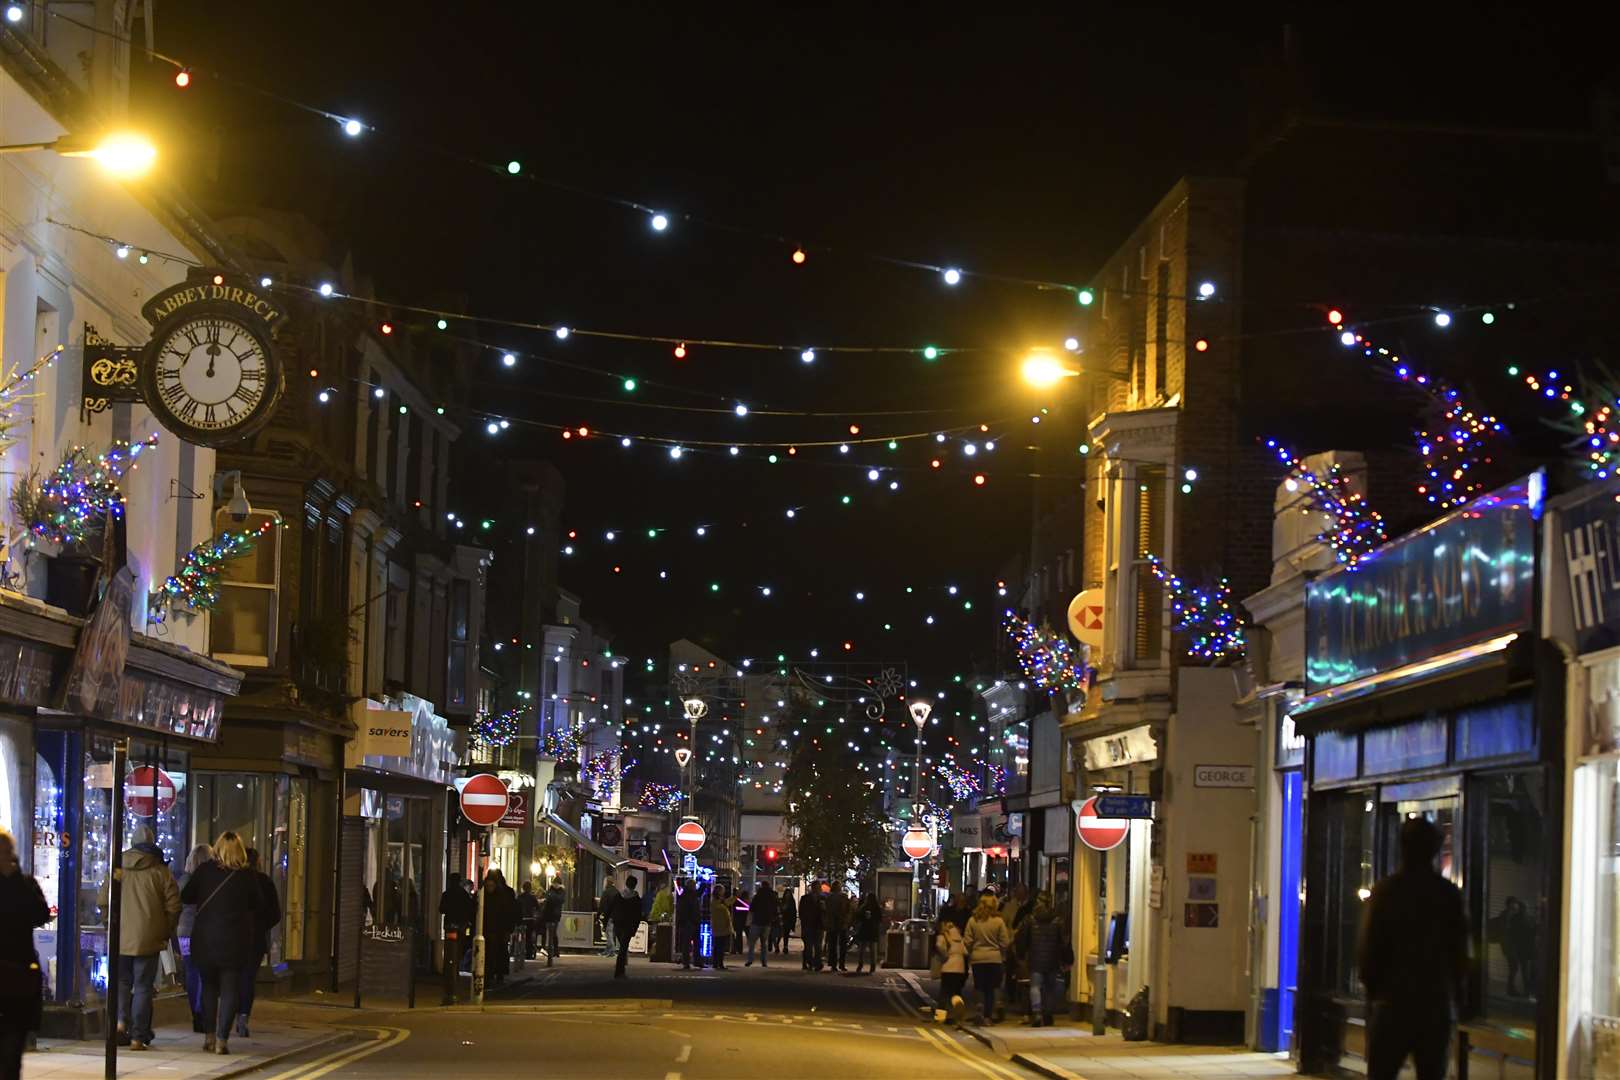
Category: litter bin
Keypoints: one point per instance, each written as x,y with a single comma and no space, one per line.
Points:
663,943
894,949
917,932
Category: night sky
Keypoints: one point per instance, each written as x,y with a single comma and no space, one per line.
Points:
1024,146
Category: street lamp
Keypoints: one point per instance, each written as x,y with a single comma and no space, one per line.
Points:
1042,370
696,709
123,154
920,710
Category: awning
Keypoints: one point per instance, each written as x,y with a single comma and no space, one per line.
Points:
1479,672
550,818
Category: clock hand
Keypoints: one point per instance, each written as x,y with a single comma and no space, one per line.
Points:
213,352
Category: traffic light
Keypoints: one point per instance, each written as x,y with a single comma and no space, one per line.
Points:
770,855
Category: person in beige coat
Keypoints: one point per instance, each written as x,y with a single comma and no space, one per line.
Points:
149,909
987,941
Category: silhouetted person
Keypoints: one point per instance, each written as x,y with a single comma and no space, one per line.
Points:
1414,960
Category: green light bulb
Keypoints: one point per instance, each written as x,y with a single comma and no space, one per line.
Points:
930,353
1085,296
629,386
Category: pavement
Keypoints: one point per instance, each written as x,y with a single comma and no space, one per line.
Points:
1069,1051
177,1051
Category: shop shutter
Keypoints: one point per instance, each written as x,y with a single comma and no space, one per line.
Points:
351,901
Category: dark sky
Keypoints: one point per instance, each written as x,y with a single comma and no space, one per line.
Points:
1024,145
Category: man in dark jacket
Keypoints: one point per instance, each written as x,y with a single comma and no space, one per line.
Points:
550,915
529,917
22,909
626,917
458,911
787,913
810,927
604,906
838,919
761,917
687,915
1413,960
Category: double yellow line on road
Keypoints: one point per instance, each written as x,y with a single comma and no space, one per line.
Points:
312,1070
948,1046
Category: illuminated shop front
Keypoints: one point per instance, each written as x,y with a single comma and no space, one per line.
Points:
1429,694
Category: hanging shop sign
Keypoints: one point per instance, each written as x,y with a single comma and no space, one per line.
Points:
517,810
111,373
1086,618
1122,748
97,672
382,732
148,791
1587,547
965,832
1466,578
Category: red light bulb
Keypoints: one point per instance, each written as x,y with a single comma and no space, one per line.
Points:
978,479
182,78
798,256
680,351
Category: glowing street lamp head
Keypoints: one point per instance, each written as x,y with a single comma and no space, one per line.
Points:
695,708
123,154
1044,370
920,711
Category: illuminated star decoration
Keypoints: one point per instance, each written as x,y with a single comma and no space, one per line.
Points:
562,744
1457,444
1047,658
498,729
1355,528
78,495
604,771
664,798
1207,617
196,587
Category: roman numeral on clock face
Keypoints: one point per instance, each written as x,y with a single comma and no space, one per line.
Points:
187,410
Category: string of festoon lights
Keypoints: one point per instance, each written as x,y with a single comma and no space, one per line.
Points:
1595,434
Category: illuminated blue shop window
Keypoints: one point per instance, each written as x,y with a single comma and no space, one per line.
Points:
1499,729
1336,755
1413,745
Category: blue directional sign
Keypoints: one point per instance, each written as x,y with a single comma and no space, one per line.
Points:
1124,806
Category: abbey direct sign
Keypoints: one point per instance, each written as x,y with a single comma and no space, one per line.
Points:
1466,578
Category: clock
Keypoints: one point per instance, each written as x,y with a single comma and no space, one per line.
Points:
211,374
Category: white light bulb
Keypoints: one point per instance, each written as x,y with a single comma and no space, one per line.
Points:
509,360
14,13
734,451
741,409
505,424
989,446
1072,344
326,288
1190,475
792,513
675,452
353,128
660,222
843,448
860,596
970,449
1442,319
953,276
562,333
264,283
122,250
530,530
1347,338
323,397
871,474
808,356
1206,289
894,485
610,536
492,427
378,393
766,590
701,531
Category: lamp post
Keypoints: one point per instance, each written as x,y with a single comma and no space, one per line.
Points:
696,709
122,154
920,711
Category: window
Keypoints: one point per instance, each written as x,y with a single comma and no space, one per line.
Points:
1147,645
1161,328
1512,852
460,648
394,626
243,624
1344,835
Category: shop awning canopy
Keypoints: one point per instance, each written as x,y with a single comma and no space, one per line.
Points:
1475,673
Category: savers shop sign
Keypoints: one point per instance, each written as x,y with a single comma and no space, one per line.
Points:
1466,578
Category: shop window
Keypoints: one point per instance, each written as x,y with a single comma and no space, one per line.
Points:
1343,837
1512,855
1595,915
243,623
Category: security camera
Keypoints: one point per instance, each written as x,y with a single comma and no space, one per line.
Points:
238,507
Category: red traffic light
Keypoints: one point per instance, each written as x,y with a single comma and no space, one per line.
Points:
770,854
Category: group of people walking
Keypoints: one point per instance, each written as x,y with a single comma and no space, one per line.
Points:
1002,942
763,924
218,913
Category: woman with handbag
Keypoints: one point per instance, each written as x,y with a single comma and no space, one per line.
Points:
229,907
987,942
22,909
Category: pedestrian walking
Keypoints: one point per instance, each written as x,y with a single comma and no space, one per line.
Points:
987,942
228,900
739,921
22,991
604,905
717,910
688,914
528,917
810,927
787,913
1015,905
149,912
953,969
962,908
457,912
868,921
500,919
182,935
550,916
1047,953
1413,960
761,921
267,917
838,919
626,918
663,905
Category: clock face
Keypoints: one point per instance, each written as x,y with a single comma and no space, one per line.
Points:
211,378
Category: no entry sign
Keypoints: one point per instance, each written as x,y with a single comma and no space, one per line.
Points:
917,844
148,791
1099,833
690,836
483,799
